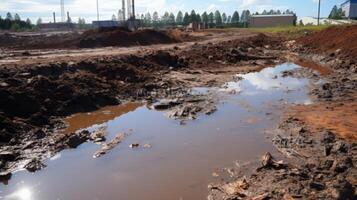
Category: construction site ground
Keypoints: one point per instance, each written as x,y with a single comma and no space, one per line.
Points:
190,103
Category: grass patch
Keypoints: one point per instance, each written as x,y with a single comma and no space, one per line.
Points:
289,29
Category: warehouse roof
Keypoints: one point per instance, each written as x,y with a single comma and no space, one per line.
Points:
284,15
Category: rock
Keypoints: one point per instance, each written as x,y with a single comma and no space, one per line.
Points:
34,165
4,84
135,145
328,137
77,139
235,188
269,162
166,104
342,164
317,186
147,146
108,146
98,135
8,156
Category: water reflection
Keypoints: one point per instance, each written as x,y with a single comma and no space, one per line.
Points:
270,78
21,194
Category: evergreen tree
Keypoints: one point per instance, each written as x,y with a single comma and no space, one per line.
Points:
186,19
229,19
147,19
179,18
155,17
193,16
235,17
114,18
224,18
211,18
218,18
172,19
9,16
165,18
17,17
28,21
204,18
198,18
39,21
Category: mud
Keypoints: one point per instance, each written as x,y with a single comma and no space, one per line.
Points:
317,158
34,98
90,39
316,142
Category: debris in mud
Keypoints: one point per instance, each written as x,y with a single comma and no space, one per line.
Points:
34,165
135,145
106,147
325,173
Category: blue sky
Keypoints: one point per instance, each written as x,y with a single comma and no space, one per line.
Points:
87,8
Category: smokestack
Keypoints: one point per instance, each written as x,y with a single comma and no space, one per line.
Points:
97,10
128,7
54,17
68,17
133,9
123,9
63,18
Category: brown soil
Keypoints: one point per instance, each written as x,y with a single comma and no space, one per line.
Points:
343,38
90,39
338,117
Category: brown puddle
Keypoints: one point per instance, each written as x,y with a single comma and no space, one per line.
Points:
85,120
180,164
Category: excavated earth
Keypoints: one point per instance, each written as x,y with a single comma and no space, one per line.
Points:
318,156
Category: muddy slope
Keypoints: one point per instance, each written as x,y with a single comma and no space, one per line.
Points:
335,41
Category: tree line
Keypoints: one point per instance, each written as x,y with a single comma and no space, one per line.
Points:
14,23
210,19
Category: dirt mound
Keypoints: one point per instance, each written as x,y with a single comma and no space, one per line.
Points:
89,39
121,37
337,38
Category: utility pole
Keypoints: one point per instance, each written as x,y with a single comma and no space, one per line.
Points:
318,15
97,10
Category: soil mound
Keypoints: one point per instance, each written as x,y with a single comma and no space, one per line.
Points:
89,39
122,37
332,39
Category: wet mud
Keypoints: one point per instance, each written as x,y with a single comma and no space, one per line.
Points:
241,88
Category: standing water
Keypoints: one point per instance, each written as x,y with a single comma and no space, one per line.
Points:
180,163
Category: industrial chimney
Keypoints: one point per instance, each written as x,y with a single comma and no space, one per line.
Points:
123,9
54,17
133,9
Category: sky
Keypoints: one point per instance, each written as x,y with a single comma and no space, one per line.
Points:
34,9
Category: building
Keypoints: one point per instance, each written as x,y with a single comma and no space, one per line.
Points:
350,9
263,21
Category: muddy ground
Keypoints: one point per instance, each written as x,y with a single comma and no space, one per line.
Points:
318,141
38,88
35,97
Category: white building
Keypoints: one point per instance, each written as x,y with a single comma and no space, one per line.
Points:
350,9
